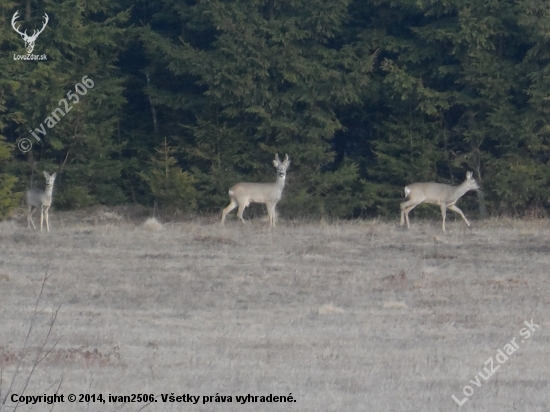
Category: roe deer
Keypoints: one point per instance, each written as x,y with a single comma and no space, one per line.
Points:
242,194
438,194
40,199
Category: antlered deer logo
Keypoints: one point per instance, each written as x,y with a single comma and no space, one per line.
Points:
29,40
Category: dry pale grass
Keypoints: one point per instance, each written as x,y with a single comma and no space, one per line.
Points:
347,316
152,224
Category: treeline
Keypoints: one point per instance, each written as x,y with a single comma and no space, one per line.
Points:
192,96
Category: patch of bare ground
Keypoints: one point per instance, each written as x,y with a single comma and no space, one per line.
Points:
354,316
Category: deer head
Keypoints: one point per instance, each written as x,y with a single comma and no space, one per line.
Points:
29,40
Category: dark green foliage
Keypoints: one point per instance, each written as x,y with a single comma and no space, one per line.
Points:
364,96
81,39
9,197
173,188
456,90
269,80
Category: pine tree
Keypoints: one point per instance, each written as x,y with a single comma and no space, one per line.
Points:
172,187
453,90
255,78
9,197
71,101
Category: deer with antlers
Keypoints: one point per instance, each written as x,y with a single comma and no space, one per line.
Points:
242,194
29,40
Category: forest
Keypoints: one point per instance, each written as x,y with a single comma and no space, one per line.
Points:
167,103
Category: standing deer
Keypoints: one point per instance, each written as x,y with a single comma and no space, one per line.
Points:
438,194
242,194
40,199
29,40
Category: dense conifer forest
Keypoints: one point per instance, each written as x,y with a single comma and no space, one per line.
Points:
170,102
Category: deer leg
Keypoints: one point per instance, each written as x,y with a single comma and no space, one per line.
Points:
241,210
46,213
406,212
41,216
232,205
457,210
406,207
443,213
29,218
271,213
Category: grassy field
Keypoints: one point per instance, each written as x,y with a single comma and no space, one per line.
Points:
349,316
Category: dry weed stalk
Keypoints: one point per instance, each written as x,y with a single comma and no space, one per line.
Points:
41,354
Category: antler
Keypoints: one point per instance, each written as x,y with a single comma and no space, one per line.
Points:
13,19
35,33
46,20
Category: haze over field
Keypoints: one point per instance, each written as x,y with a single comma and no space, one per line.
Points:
349,316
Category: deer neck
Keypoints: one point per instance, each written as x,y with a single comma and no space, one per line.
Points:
49,190
461,190
280,182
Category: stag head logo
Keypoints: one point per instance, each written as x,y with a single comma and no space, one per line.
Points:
29,40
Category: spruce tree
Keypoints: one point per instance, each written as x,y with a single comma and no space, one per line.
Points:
461,91
9,196
71,101
254,78
173,188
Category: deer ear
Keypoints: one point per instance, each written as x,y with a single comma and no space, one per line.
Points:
275,163
54,175
46,175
